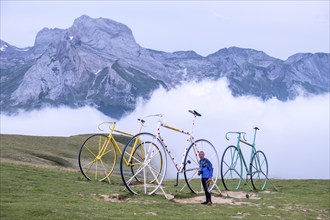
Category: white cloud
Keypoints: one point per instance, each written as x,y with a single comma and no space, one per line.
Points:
53,122
294,135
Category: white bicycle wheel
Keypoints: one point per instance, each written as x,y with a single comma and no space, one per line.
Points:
191,165
143,164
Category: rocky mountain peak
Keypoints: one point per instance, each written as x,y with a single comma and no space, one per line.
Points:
47,36
6,48
103,35
242,53
97,62
296,57
190,54
113,28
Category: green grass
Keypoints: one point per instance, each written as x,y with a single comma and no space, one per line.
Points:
48,151
39,187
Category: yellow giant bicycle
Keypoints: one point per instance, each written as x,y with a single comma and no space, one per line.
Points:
98,154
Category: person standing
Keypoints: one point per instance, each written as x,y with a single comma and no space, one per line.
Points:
206,170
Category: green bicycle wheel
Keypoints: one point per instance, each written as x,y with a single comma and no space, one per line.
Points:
97,157
231,168
259,170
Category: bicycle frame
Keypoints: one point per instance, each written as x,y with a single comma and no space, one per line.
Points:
180,167
190,140
152,165
111,138
233,160
97,155
241,139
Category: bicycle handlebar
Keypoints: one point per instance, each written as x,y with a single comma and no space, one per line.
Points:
141,120
113,123
148,116
236,132
195,113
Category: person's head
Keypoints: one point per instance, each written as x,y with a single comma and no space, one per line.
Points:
201,155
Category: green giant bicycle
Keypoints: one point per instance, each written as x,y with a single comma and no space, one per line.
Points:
233,161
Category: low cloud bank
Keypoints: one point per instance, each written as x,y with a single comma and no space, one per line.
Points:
294,135
53,122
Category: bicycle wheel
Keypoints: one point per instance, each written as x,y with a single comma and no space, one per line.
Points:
145,153
138,156
97,157
231,168
259,170
191,165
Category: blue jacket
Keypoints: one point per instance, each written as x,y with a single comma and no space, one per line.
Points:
206,167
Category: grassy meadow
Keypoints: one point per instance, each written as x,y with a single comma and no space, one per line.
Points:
40,179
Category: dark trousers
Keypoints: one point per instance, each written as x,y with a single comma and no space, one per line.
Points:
206,186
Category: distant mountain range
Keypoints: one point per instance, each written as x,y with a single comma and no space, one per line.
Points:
98,63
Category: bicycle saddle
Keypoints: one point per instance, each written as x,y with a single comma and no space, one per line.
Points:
195,113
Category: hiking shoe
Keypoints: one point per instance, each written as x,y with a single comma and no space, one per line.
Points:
204,203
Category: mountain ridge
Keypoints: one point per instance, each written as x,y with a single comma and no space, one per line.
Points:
97,62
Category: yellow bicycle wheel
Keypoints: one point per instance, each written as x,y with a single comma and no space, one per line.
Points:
97,157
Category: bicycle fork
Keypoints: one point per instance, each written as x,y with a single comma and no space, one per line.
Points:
177,174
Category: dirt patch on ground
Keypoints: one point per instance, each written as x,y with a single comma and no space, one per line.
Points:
239,195
200,199
232,198
113,198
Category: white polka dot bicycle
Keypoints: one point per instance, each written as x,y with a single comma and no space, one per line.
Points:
148,166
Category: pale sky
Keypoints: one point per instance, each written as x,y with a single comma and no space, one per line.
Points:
279,28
